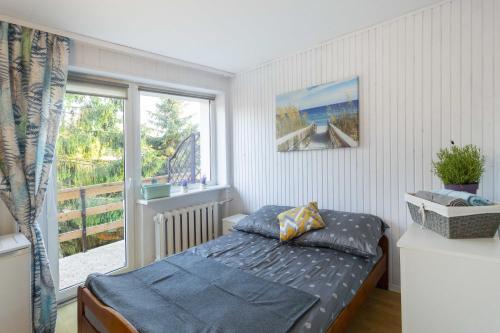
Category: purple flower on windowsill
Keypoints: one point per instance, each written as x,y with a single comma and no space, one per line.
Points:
184,184
203,182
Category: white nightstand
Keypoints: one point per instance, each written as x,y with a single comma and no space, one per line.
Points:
449,285
230,221
15,293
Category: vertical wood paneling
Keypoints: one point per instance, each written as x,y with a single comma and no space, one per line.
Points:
436,92
445,73
358,191
455,72
486,127
426,98
425,78
372,119
465,55
393,162
418,102
476,72
496,93
408,106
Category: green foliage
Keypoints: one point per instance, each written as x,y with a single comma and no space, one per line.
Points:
90,144
160,138
459,165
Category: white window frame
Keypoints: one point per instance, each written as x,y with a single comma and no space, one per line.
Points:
213,143
212,119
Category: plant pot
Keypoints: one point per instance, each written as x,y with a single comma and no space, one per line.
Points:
470,188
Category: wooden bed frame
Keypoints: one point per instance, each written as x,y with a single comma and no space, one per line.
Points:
113,321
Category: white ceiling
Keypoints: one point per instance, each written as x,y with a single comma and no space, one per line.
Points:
231,35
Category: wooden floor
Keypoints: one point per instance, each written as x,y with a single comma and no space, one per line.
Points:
380,314
66,318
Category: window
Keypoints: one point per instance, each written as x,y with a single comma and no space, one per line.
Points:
90,177
175,138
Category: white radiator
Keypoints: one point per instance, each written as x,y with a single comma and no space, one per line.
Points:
180,229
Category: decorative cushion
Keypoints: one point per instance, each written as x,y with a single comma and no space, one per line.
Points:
299,220
263,221
352,233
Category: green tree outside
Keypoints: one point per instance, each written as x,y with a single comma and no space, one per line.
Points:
164,131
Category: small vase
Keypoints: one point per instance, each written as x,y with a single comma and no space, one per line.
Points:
184,189
470,188
203,186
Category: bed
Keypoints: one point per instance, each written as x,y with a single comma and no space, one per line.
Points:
341,281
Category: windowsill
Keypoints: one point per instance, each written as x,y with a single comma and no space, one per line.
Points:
192,192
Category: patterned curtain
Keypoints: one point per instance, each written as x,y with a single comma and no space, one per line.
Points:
33,70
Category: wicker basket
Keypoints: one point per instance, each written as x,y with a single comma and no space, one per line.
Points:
455,222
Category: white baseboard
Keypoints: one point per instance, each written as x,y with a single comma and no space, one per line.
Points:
395,287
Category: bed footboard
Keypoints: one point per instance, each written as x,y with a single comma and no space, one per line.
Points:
110,319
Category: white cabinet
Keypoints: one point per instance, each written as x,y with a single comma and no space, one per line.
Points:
449,285
15,284
230,221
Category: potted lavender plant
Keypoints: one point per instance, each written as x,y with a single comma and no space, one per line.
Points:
460,168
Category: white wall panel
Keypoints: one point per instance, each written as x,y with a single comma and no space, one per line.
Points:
93,58
425,78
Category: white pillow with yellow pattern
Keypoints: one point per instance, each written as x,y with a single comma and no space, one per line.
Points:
299,220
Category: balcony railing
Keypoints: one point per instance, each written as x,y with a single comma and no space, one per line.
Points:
185,162
83,193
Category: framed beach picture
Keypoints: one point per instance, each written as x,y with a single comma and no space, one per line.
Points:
319,117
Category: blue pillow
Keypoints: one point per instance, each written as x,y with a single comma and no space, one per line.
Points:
352,233
263,222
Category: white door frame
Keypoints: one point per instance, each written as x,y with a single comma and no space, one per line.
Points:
132,168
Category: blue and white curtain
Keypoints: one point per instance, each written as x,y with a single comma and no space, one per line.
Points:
33,71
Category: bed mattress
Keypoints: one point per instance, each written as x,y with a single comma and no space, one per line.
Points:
332,276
